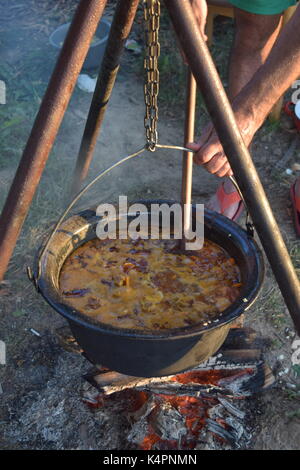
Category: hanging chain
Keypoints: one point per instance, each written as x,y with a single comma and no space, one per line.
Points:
151,86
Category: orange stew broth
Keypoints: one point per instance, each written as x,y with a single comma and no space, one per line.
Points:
145,284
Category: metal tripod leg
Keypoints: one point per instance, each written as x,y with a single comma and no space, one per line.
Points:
46,125
217,103
120,29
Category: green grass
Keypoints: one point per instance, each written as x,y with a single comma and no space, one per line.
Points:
271,126
24,89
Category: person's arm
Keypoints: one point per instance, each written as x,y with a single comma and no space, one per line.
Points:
256,100
200,11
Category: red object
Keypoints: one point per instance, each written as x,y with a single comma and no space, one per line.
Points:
289,109
226,200
296,209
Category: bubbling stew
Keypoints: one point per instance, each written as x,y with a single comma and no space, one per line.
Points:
147,284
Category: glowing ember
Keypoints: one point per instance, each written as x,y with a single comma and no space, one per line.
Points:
173,421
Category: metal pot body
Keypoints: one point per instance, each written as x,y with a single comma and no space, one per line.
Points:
152,357
141,353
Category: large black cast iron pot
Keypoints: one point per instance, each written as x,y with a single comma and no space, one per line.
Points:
139,353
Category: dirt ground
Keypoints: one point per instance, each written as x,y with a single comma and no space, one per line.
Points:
41,384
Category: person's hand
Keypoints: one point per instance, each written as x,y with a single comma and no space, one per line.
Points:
200,11
209,150
210,154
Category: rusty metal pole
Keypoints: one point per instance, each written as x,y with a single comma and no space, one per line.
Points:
187,161
208,81
46,125
119,32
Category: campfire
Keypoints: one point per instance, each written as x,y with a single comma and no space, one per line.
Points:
203,408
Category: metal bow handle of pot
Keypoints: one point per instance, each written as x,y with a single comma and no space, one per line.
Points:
248,223
30,273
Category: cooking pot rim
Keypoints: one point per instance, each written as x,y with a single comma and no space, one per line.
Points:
214,220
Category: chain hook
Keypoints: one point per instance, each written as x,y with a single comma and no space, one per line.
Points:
151,85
